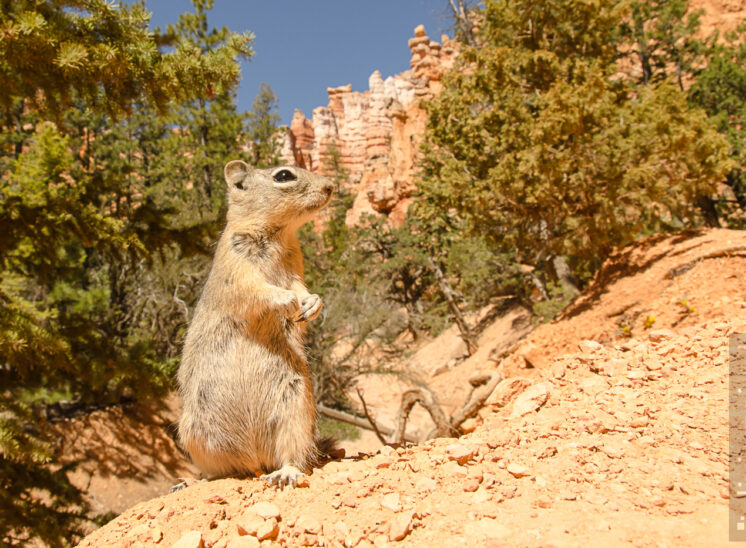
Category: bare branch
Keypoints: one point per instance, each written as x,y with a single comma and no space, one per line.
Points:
425,397
483,382
370,419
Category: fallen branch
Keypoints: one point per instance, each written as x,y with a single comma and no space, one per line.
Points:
356,421
483,384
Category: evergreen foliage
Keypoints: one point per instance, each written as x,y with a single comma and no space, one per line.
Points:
720,89
537,145
99,242
262,130
661,38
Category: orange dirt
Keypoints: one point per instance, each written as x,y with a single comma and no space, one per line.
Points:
617,440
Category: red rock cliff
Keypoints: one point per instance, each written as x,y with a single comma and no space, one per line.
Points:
377,132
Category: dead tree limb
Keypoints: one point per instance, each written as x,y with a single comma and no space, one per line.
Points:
359,422
376,429
483,383
427,399
449,294
463,21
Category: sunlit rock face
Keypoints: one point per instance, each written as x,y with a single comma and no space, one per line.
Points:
375,134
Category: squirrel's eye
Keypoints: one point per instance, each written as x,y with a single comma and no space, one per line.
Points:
284,175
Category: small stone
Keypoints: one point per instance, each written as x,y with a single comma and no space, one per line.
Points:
471,484
266,510
384,463
340,478
350,502
589,346
308,524
659,335
156,534
426,484
544,503
391,501
400,526
506,390
453,469
530,400
192,539
613,450
558,370
216,499
460,453
469,425
518,470
243,542
388,451
249,524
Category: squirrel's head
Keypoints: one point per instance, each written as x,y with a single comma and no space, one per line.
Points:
280,196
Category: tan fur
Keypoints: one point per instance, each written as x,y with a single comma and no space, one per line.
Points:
244,380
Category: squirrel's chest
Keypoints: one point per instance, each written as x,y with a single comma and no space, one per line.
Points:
272,259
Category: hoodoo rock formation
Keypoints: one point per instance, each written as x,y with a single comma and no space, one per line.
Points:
376,133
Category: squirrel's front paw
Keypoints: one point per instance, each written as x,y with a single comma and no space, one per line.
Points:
287,302
310,308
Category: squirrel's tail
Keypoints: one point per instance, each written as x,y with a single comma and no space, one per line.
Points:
327,449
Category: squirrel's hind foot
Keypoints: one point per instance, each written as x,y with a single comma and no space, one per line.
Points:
287,475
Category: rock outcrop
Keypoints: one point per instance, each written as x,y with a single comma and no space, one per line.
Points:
375,135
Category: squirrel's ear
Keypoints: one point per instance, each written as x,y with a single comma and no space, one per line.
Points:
236,172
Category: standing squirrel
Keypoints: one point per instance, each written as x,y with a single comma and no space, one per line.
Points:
244,380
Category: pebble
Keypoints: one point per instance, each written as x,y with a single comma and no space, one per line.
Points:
460,453
453,469
530,400
243,542
426,484
252,524
266,510
471,484
658,335
308,524
192,539
400,526
518,470
391,501
216,499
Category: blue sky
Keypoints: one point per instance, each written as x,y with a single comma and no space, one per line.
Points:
304,46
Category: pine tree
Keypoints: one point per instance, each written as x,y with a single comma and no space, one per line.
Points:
87,201
720,89
536,145
262,130
206,121
663,39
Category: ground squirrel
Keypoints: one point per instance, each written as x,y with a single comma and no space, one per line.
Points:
244,380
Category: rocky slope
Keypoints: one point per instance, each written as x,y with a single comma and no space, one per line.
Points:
607,438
